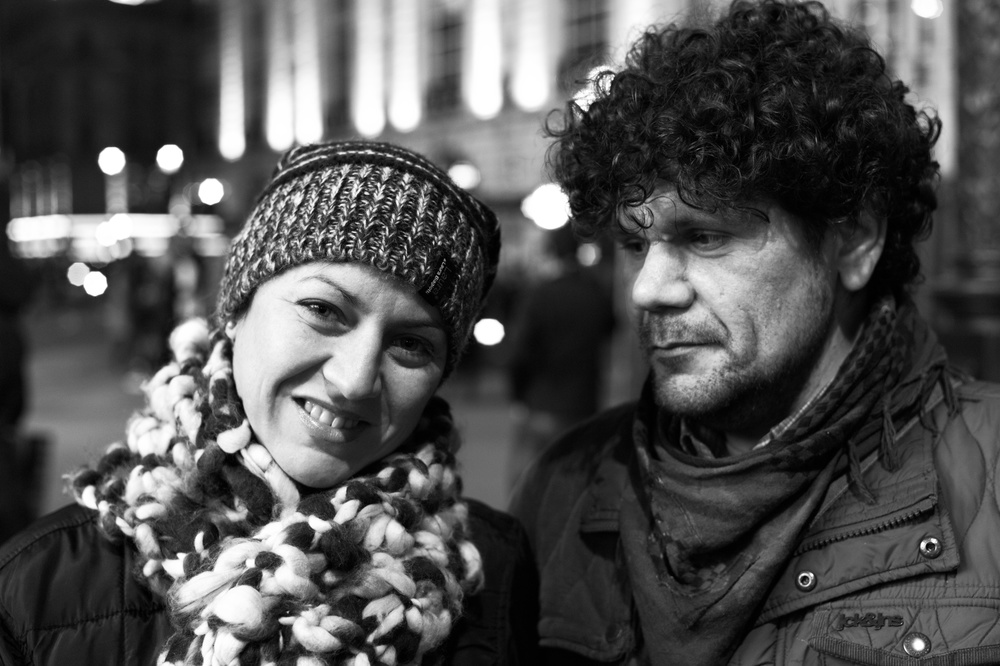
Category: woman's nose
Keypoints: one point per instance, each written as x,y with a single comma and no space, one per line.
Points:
660,282
354,368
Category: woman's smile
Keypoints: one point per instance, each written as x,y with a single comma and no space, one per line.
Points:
331,419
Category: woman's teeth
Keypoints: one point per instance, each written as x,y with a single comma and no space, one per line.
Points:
327,417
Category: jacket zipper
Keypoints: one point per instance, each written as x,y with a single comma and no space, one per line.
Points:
923,507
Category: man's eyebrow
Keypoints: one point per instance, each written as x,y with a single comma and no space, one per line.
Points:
618,233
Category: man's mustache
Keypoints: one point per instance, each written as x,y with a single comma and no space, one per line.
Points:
665,331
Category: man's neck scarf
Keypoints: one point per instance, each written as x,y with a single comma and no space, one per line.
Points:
707,537
372,571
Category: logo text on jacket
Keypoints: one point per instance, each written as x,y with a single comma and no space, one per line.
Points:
867,620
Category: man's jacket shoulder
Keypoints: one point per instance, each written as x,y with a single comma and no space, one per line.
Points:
585,446
572,464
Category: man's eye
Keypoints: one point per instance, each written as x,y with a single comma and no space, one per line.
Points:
632,245
707,240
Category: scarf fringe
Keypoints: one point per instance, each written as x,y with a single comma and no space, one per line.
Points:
372,571
942,375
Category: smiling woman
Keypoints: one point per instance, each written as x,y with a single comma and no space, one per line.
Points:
335,363
289,494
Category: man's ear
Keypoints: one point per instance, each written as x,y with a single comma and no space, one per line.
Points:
860,249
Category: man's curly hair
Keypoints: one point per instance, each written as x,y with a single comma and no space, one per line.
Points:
775,101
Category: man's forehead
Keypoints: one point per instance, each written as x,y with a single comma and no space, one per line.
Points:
667,208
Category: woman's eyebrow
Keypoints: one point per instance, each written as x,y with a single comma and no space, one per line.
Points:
351,299
415,322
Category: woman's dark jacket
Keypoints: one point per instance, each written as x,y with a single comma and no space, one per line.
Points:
70,596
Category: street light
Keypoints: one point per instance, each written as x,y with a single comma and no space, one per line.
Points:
169,158
111,160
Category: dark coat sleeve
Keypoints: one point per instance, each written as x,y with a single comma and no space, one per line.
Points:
16,287
498,625
70,596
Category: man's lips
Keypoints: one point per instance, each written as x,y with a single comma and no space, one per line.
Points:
681,343
335,418
678,344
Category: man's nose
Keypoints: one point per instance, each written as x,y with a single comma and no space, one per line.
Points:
661,282
354,368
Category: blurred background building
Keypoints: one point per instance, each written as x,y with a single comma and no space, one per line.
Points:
134,136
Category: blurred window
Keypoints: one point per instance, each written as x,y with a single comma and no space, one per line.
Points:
338,60
444,84
586,39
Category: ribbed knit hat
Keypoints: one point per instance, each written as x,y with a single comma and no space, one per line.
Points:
376,204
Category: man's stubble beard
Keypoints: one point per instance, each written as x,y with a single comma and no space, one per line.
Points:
739,396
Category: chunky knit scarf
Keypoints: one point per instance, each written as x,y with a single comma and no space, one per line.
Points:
704,539
372,571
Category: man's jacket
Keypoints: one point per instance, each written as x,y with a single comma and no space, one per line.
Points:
912,579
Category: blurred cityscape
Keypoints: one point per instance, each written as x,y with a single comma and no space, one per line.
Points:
134,136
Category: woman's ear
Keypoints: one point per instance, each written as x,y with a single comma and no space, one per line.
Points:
231,329
860,249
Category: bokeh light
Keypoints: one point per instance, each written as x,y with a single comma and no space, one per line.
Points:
488,332
547,206
169,158
95,283
211,191
928,9
111,160
76,273
465,174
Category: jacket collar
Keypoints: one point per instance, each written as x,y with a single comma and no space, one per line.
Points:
905,495
896,527
607,488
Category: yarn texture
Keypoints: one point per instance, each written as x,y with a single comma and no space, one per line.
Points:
372,571
376,204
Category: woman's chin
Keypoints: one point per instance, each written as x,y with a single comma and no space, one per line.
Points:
317,473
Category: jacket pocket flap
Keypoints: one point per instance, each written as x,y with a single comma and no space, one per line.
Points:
847,652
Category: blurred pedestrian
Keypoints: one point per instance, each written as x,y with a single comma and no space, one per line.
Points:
17,451
290,494
15,294
187,274
557,349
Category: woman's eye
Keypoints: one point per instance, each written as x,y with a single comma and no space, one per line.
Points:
322,311
414,349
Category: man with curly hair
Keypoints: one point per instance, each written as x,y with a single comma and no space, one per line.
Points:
804,479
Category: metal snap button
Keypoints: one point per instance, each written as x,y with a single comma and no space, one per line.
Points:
614,633
916,644
805,580
930,547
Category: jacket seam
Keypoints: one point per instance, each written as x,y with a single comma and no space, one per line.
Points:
504,610
83,519
121,618
136,612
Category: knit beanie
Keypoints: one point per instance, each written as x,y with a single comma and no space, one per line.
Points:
376,204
